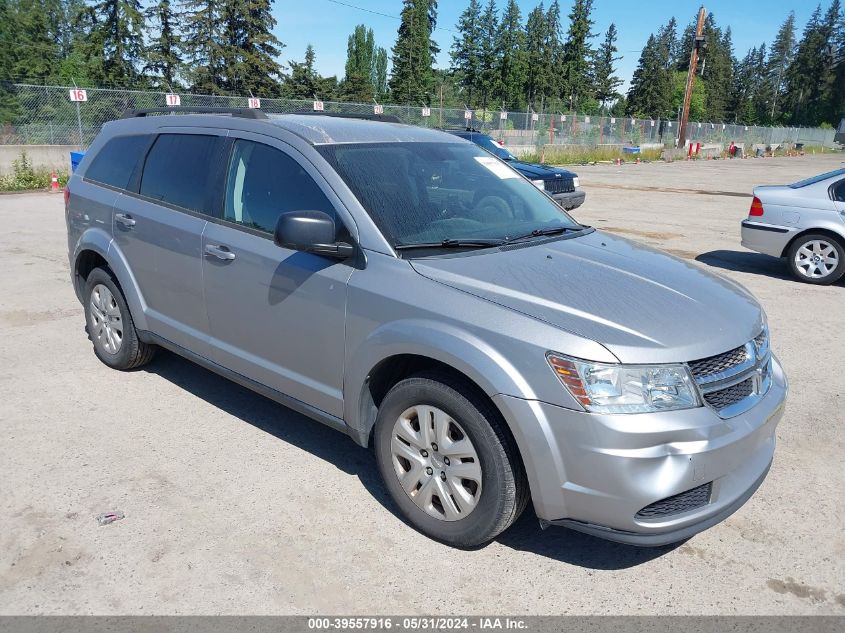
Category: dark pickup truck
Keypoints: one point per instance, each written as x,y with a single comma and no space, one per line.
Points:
560,184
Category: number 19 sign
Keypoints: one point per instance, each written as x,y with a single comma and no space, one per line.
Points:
78,95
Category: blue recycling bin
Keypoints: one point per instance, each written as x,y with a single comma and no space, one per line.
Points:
631,150
75,159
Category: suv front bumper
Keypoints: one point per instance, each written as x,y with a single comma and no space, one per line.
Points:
594,472
570,200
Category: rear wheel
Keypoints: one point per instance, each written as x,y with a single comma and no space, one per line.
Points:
447,460
817,259
110,325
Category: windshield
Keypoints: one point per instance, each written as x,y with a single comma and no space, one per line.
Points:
493,147
420,193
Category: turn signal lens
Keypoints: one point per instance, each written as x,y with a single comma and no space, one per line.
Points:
756,207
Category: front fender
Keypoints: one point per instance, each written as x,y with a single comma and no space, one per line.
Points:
445,343
99,241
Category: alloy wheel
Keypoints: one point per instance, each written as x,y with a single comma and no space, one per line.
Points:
816,259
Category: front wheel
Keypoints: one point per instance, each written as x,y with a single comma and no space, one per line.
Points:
447,460
817,259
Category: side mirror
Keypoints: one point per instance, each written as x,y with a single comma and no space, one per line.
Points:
312,232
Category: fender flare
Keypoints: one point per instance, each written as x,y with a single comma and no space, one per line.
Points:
441,342
97,240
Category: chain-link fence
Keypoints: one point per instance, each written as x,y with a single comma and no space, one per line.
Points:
45,115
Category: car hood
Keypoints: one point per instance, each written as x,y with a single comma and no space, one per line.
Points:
534,170
644,305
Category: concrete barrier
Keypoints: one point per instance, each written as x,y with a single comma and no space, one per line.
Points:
42,157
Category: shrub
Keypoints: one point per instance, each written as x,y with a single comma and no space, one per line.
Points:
25,177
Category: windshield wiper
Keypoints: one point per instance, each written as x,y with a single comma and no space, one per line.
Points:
454,243
554,230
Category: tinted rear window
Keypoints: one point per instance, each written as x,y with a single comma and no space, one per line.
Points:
116,161
177,170
819,178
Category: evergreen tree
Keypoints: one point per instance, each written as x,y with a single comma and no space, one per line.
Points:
552,56
119,30
34,49
650,93
604,74
716,69
9,107
670,33
380,75
536,78
412,76
203,35
258,49
575,67
164,52
810,75
488,77
303,82
510,57
466,50
781,54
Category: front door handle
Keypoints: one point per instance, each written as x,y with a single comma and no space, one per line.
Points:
220,252
125,220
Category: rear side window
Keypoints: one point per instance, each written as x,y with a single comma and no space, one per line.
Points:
177,170
116,161
838,191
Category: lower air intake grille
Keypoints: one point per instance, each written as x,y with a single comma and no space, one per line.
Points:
730,395
683,502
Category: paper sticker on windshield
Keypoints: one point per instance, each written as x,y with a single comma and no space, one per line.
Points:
494,165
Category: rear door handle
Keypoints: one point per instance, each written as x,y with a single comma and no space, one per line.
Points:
220,252
125,220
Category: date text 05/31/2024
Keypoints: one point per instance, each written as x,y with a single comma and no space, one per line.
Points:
421,623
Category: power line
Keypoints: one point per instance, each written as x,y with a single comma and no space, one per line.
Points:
385,15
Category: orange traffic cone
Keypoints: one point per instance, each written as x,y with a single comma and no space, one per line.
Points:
54,182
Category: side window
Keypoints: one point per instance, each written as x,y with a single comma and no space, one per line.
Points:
265,182
116,161
839,191
177,170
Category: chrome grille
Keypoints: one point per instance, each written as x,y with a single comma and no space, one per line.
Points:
734,381
730,395
683,502
719,363
559,185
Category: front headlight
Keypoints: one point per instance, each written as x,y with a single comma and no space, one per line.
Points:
575,182
602,388
539,184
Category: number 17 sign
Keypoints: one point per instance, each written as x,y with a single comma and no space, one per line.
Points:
172,100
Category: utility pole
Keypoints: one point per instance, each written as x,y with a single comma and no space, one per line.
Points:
698,43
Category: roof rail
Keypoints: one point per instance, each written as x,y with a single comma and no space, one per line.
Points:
244,113
387,118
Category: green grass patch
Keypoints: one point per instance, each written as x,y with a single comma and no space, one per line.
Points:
25,177
579,155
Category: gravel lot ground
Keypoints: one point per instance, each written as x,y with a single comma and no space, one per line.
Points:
237,505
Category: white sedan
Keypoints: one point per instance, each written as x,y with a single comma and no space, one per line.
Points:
803,222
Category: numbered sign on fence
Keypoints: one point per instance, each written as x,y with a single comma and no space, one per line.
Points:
668,123
254,103
318,106
699,126
378,109
426,111
535,117
78,95
563,118
467,114
612,121
652,123
586,119
172,101
503,116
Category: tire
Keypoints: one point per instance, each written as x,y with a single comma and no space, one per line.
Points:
110,326
822,272
486,507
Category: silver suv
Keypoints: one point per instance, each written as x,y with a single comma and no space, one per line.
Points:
409,289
